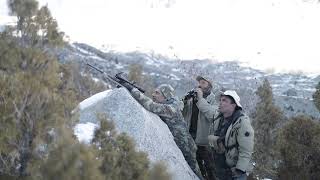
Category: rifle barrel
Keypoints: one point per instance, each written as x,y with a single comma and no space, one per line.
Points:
117,79
95,68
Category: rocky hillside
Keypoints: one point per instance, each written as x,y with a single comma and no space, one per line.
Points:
292,92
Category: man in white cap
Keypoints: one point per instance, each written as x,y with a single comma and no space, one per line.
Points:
232,138
198,112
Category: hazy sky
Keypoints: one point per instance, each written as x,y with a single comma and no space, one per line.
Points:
279,34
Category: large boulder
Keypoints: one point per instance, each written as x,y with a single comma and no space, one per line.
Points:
150,133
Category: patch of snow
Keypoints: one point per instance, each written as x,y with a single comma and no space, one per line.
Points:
95,79
302,80
258,76
246,70
174,77
229,72
118,66
85,131
295,97
96,58
310,89
81,50
313,75
249,78
176,70
81,55
6,20
152,63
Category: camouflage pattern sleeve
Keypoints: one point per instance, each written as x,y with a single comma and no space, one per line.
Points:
163,110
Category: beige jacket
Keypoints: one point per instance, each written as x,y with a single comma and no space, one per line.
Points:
239,142
207,109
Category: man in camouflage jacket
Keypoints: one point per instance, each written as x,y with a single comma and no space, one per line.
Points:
167,108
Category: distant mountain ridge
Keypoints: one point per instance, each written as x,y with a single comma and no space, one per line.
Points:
292,92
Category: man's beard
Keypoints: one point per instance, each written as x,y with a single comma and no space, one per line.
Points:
206,90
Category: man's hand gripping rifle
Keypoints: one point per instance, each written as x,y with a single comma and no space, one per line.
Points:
118,79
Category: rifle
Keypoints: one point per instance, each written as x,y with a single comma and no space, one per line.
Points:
118,79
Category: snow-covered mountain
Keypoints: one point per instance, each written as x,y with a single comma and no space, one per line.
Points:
292,92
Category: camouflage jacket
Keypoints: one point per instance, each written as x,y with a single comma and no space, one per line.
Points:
169,112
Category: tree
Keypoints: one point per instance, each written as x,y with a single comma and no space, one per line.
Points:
78,84
120,159
68,159
31,105
266,117
159,172
135,74
23,9
32,93
37,94
316,97
33,101
48,28
299,147
35,26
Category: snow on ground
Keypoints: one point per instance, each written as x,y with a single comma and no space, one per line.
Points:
176,70
119,66
85,131
249,78
96,79
96,58
174,77
81,50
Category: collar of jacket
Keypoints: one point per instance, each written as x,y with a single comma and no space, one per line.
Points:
236,114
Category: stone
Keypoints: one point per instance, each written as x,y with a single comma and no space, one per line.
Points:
150,133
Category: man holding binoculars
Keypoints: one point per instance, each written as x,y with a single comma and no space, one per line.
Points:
199,107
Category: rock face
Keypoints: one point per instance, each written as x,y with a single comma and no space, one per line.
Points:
150,133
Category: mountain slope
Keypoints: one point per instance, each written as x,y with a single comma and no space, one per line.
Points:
292,92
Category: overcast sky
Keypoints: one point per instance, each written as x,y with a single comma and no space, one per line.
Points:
279,34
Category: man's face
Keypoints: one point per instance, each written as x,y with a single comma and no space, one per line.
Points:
226,105
204,85
157,96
